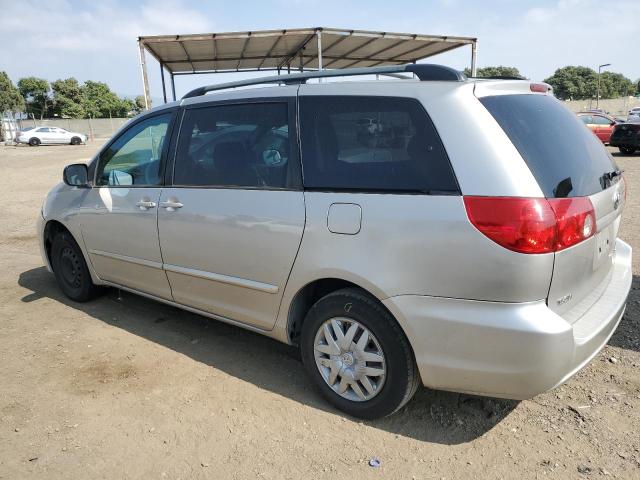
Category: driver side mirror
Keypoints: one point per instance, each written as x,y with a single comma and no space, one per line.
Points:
76,175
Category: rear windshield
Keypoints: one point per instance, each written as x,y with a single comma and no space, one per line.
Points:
565,157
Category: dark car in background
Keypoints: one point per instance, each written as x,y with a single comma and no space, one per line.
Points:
626,136
600,124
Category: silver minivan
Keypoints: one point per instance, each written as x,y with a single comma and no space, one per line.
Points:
437,230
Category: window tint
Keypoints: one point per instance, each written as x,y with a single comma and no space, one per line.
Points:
237,146
134,157
43,129
566,159
586,119
372,144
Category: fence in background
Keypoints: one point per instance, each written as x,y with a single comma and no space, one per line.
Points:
106,127
92,127
615,106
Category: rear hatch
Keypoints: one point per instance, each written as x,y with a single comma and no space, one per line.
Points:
568,161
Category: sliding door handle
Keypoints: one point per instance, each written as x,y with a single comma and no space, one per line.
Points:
171,205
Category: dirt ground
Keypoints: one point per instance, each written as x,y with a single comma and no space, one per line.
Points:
124,387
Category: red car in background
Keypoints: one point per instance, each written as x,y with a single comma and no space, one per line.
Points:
599,123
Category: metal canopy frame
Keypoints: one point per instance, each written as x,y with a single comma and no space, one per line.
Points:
275,50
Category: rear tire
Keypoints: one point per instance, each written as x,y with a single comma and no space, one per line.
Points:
394,378
627,150
70,269
34,142
76,141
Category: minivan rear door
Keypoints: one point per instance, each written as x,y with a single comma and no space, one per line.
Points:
567,161
231,221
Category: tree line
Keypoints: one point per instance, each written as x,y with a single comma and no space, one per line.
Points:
65,98
69,98
574,83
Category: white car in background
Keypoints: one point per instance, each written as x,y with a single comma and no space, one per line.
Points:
635,111
49,136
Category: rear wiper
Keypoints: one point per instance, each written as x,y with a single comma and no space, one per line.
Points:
607,178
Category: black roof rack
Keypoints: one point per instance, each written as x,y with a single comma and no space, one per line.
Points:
424,72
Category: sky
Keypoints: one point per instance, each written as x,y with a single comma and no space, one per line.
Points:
96,40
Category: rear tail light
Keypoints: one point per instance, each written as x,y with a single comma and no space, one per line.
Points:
575,220
532,225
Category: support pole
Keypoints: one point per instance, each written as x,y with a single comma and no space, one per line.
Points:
145,78
164,88
474,58
319,35
173,86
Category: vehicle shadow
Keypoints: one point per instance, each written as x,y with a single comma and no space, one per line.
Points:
627,335
431,416
624,155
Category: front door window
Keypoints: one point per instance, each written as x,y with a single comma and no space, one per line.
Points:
134,159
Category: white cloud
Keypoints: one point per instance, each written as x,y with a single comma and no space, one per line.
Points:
96,42
540,39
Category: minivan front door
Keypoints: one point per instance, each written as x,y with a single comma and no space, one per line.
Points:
119,215
231,223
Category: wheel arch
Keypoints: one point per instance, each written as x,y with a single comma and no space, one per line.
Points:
51,229
313,291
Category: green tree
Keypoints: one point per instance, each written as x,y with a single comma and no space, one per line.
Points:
614,85
35,92
140,105
99,101
10,98
499,71
579,83
67,98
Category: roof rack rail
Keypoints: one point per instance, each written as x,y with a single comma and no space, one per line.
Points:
499,77
424,72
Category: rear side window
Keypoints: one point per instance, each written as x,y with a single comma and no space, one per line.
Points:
566,158
372,144
598,120
236,146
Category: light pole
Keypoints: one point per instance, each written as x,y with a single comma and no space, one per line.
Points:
598,92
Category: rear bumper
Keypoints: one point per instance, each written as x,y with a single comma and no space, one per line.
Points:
509,350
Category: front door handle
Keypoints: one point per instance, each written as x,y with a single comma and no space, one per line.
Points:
171,205
145,204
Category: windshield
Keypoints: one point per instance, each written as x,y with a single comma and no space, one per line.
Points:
565,157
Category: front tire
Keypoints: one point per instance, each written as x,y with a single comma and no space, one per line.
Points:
357,355
34,142
627,150
71,269
76,141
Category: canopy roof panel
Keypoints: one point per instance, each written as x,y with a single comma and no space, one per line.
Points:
295,48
